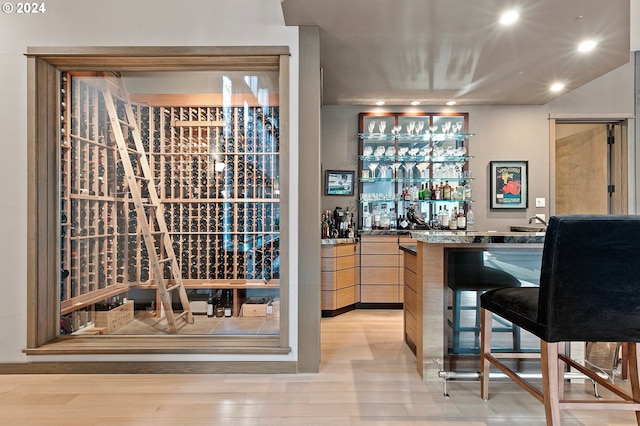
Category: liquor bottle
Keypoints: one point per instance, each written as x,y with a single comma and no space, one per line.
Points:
453,219
467,191
227,304
462,219
446,193
210,305
470,219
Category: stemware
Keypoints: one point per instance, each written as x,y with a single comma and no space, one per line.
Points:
395,167
391,151
380,151
373,166
382,126
410,127
419,127
372,126
423,167
367,151
383,170
408,166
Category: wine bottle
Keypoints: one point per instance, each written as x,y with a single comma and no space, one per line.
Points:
227,304
219,306
470,219
210,305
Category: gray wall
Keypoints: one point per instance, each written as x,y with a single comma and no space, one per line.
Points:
517,132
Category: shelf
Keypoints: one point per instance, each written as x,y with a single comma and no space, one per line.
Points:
405,137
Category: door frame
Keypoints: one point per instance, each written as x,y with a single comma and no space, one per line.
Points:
628,132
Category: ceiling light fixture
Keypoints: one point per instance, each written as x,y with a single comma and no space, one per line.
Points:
509,17
587,46
414,103
379,103
451,103
557,87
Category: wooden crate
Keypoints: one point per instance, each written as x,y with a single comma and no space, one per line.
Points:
115,318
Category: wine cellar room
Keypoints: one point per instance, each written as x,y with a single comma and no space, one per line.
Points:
170,203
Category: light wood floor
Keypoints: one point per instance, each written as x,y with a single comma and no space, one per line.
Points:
367,377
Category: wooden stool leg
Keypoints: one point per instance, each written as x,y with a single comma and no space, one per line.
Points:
485,348
625,361
634,370
550,385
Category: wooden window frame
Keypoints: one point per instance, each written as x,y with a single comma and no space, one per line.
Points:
44,67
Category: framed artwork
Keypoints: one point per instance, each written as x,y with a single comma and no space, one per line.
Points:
339,182
509,184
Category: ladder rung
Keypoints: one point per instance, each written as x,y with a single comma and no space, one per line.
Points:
173,287
168,259
146,179
131,125
133,151
184,313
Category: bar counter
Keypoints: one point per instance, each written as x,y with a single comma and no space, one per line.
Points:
425,287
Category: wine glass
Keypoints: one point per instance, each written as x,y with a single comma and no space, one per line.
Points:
395,167
382,126
422,167
410,127
372,126
383,170
373,166
419,127
408,167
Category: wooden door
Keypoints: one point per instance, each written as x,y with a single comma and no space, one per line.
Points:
590,168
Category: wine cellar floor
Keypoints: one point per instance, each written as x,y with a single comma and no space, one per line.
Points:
204,325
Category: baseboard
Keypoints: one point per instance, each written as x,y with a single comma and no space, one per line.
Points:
170,367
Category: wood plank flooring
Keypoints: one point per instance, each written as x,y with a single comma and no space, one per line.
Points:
367,377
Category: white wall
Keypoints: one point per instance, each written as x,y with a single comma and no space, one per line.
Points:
115,23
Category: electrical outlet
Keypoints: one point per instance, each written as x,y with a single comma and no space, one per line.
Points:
540,202
542,217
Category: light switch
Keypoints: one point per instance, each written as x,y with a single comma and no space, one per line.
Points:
540,202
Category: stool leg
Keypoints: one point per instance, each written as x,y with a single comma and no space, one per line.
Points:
550,385
476,341
485,348
634,369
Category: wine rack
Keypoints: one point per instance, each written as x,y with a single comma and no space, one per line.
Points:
216,171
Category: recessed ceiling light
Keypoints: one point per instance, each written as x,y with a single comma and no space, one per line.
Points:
414,103
587,46
451,103
379,103
509,17
556,87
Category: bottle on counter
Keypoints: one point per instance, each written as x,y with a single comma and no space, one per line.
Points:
227,304
446,192
470,219
453,219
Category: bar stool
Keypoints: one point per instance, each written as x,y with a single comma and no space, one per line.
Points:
589,292
466,272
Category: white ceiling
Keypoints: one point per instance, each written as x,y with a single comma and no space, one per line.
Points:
438,50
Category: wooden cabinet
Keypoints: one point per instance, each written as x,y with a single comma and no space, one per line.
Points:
339,280
216,172
410,299
381,273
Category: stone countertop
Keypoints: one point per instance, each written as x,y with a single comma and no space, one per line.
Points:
384,232
336,241
478,237
409,248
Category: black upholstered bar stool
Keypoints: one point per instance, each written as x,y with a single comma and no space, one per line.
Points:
466,272
589,292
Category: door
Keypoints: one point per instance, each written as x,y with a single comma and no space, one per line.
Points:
590,168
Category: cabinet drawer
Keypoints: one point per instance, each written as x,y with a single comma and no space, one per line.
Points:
410,301
328,281
345,262
328,250
388,248
410,280
344,278
345,297
344,249
410,262
379,294
379,276
384,260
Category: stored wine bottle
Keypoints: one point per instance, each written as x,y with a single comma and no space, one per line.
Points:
210,305
227,304
219,306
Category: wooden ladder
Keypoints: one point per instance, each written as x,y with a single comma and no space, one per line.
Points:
148,209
